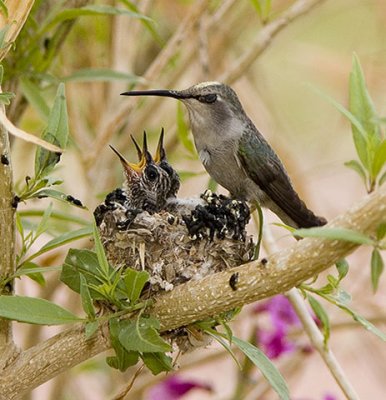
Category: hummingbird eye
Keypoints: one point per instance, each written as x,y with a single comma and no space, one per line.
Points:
208,98
151,173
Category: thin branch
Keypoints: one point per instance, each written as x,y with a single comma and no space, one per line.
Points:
316,339
264,38
313,332
197,300
154,70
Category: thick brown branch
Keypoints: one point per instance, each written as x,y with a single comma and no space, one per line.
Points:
195,301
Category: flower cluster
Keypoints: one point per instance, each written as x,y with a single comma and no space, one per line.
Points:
275,342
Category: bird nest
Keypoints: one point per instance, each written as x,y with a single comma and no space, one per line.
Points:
179,243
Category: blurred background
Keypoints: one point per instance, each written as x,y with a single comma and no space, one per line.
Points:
184,43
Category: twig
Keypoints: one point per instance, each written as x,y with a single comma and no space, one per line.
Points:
197,300
265,36
126,390
316,339
154,70
314,334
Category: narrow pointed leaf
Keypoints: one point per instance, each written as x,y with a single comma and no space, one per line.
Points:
33,94
361,104
347,235
135,282
61,240
157,362
35,311
358,168
56,133
142,336
379,158
322,316
87,303
90,328
123,359
100,74
377,267
342,266
33,272
57,195
90,10
266,367
100,252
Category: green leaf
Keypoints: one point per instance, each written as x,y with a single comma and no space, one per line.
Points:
91,10
322,316
32,92
56,133
260,215
381,231
81,262
212,184
100,74
34,272
183,131
30,268
57,195
263,8
142,335
344,234
358,168
266,367
376,268
363,321
3,10
359,134
3,32
134,281
157,362
87,303
379,158
100,251
35,311
85,262
123,359
6,97
43,225
361,106
342,266
61,240
90,328
382,179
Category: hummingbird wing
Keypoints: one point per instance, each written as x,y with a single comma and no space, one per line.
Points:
263,166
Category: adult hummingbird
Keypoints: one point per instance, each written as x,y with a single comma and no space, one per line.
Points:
235,153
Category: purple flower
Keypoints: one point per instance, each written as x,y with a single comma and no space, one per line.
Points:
274,343
173,388
281,312
329,397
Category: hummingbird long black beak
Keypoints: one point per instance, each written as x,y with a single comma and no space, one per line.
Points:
158,92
